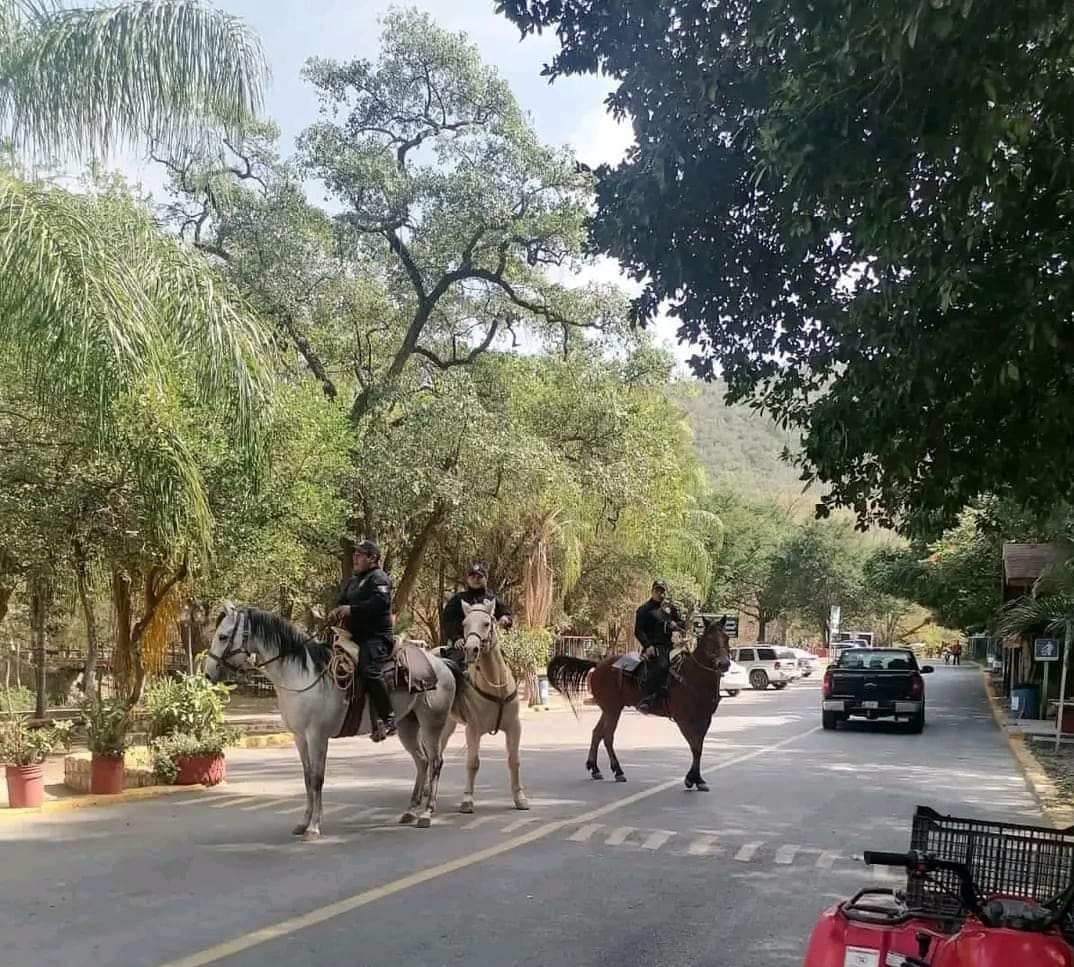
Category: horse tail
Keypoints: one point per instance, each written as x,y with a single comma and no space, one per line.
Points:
567,675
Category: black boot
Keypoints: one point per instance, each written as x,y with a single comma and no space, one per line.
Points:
380,709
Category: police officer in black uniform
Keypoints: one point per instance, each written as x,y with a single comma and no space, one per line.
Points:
476,591
364,608
653,623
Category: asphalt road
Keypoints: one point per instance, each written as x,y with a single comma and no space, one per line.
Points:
637,874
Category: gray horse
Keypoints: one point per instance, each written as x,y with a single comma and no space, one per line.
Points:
313,706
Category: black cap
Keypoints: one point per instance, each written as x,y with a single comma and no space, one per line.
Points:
660,584
368,548
478,568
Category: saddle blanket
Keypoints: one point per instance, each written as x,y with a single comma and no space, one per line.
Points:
630,662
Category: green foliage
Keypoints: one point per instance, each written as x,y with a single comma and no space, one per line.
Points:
165,751
106,723
186,719
23,745
741,449
892,185
526,649
187,705
16,699
84,80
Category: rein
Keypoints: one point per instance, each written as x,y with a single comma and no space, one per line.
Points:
240,648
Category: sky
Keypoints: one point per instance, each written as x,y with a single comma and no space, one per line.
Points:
570,111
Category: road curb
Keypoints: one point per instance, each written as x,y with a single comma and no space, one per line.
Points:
89,802
268,740
1057,812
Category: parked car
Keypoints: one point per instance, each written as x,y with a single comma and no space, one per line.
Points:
874,683
789,656
807,662
734,680
765,667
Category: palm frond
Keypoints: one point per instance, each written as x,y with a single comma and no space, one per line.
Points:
1030,615
89,80
69,305
95,298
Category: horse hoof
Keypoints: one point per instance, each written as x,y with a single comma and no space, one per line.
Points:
522,803
311,836
298,831
598,775
620,777
466,807
406,819
702,786
424,822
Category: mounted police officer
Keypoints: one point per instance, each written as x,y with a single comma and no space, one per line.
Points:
364,608
476,591
654,622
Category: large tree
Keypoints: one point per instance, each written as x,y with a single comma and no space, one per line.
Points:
861,212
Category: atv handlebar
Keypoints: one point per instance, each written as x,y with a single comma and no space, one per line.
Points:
926,863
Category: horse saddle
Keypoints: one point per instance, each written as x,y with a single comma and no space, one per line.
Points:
631,663
407,667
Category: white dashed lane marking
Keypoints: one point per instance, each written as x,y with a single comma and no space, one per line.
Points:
686,843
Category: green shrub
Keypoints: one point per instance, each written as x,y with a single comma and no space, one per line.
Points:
166,750
526,649
21,745
17,699
187,705
107,721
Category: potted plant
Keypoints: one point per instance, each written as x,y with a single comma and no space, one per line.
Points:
107,721
23,751
187,730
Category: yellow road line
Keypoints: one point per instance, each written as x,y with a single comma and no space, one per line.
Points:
238,945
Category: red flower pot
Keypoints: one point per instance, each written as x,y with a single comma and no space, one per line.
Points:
204,770
106,775
25,786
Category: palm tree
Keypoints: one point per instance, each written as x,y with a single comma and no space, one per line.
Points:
82,81
95,302
85,315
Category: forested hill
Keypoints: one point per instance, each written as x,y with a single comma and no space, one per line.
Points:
737,445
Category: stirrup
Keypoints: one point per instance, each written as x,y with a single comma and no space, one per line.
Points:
384,730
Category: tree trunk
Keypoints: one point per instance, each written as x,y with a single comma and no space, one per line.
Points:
415,557
6,590
346,559
89,670
762,626
38,616
122,658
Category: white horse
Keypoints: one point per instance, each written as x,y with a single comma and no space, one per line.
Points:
489,704
314,707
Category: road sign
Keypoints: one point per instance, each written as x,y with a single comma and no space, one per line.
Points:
730,626
1046,649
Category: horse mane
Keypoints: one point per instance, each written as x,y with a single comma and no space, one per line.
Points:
291,643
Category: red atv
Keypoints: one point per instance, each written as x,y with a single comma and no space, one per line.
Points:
978,894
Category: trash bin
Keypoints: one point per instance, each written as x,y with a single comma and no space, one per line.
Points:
542,689
1025,701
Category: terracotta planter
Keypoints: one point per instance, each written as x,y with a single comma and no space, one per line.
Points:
25,786
204,770
106,775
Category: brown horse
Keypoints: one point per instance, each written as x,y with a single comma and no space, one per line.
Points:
692,697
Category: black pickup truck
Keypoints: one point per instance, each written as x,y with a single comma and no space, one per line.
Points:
874,683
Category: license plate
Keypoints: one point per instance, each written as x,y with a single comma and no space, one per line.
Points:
870,705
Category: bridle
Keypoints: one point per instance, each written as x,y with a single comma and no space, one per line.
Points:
484,647
237,643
